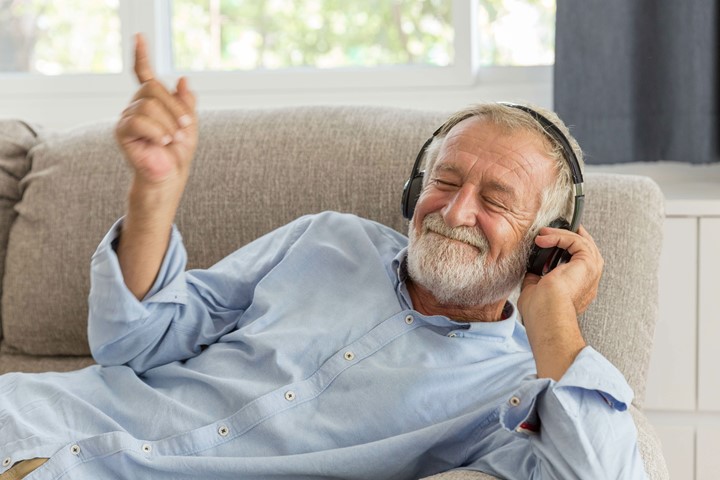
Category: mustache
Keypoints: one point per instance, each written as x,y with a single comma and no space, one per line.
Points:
434,223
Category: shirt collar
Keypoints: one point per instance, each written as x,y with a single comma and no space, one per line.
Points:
399,266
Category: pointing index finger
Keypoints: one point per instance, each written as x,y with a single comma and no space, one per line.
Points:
143,70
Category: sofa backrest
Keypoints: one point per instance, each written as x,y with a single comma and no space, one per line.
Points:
254,171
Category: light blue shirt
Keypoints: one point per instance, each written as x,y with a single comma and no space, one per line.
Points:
300,356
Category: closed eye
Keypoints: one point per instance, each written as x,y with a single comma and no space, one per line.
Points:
444,184
494,203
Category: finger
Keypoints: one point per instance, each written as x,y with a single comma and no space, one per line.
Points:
140,127
565,239
143,70
155,109
175,107
184,94
585,234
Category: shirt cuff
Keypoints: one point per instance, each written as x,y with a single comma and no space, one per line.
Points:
589,372
113,309
169,286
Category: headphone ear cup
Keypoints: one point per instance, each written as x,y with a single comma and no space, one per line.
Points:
411,193
543,260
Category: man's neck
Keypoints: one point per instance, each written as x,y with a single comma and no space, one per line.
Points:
425,303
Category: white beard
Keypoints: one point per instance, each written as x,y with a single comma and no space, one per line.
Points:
460,274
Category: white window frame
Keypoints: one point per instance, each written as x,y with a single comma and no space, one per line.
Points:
152,18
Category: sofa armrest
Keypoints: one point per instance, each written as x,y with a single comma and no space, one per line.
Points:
648,443
650,447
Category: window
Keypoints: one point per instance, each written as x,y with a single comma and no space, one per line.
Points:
516,32
278,34
273,44
250,35
60,36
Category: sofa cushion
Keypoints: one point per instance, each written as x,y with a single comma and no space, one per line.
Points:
16,140
72,192
310,159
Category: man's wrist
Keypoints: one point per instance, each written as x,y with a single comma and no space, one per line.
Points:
154,205
555,339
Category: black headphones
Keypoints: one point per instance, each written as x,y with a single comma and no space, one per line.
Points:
541,260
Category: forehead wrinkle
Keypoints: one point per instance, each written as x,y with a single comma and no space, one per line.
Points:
481,142
448,167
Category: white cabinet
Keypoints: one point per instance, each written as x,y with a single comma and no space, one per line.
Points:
683,392
709,318
708,459
672,378
683,395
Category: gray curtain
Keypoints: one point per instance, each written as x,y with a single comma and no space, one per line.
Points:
638,80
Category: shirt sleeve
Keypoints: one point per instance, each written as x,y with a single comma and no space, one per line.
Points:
577,427
185,310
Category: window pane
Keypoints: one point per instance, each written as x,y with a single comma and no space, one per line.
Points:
274,34
517,32
60,36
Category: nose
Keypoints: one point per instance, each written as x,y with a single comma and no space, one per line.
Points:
463,208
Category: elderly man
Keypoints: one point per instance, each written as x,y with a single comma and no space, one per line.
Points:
333,347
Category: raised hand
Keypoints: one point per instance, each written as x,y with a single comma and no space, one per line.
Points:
158,135
158,130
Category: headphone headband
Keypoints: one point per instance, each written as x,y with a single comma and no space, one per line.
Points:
557,135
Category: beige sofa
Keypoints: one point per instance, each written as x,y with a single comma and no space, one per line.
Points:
256,170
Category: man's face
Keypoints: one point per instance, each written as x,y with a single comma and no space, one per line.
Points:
469,237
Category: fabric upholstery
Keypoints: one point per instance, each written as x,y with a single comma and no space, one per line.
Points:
254,171
624,214
16,140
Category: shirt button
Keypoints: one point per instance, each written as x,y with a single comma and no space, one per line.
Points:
409,319
147,448
452,334
7,462
289,395
75,450
514,401
223,431
349,356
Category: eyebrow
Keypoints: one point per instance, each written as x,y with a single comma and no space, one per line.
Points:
447,167
503,188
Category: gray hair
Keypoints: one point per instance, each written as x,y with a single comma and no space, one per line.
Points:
558,200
